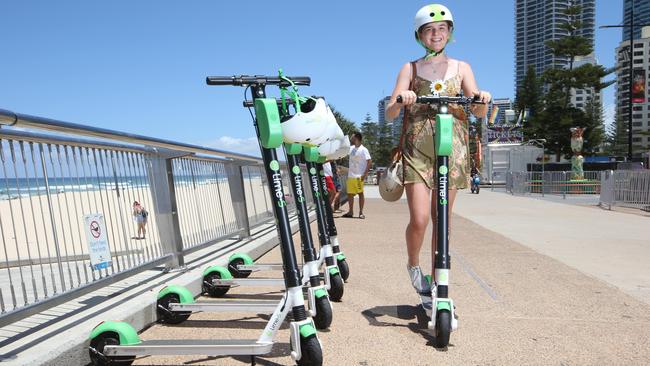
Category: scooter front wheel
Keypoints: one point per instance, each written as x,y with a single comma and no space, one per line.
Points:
336,287
344,269
312,354
323,318
443,328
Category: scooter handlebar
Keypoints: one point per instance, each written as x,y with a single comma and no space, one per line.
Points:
245,80
430,99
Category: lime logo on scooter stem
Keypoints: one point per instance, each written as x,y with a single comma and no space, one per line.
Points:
314,183
442,184
297,179
312,170
277,183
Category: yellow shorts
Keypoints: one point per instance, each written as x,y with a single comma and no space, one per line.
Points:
355,185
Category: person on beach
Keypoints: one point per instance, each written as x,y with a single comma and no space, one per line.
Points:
140,214
360,164
434,26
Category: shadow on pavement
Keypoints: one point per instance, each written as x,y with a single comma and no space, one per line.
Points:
403,312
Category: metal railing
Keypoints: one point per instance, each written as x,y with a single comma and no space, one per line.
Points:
626,188
552,183
50,184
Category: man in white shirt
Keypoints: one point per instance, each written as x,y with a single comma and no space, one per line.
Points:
360,164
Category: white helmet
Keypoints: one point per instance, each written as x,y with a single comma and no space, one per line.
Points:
332,132
306,125
330,147
342,151
432,13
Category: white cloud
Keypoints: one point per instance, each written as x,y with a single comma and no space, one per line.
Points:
248,145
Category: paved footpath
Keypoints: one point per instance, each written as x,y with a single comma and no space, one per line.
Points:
523,298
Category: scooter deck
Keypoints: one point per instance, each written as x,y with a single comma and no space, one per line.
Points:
227,306
260,267
208,347
249,282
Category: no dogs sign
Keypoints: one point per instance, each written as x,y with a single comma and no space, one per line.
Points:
100,253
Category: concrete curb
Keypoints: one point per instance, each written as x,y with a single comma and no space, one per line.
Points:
66,342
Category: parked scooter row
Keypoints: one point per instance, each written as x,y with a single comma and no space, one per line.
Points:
310,133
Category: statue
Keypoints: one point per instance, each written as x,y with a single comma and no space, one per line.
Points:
577,173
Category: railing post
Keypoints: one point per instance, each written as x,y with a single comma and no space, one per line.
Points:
236,184
165,207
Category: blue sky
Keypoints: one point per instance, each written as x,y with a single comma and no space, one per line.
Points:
139,66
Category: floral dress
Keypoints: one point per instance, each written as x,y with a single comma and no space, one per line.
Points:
419,158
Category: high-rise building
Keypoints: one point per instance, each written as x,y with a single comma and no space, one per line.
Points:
538,21
641,16
395,125
640,98
580,98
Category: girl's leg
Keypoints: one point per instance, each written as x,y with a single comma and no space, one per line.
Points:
417,195
434,234
144,229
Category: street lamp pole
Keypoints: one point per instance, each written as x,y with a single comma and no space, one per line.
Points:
630,74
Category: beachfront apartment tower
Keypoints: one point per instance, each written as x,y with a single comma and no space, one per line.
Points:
641,16
537,21
641,99
395,125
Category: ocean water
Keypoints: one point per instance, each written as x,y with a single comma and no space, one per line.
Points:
12,188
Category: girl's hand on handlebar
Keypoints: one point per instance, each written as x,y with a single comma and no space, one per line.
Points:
483,96
408,97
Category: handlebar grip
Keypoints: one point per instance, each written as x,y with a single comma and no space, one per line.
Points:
399,99
222,80
300,80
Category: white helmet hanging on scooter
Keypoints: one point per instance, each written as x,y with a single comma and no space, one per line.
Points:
308,124
332,131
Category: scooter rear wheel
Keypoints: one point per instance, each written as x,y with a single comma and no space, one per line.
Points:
168,316
237,273
213,290
102,340
443,328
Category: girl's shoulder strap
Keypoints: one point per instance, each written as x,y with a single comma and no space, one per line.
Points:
414,73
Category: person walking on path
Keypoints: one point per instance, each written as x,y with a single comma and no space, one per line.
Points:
434,26
360,164
140,214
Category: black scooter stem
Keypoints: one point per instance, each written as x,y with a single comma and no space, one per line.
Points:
276,190
298,187
323,238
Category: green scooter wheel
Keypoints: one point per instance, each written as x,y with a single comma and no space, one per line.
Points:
96,351
214,290
237,273
443,328
344,269
323,318
312,354
167,316
336,287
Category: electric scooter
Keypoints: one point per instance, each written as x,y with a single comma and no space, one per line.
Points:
443,320
119,342
341,262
